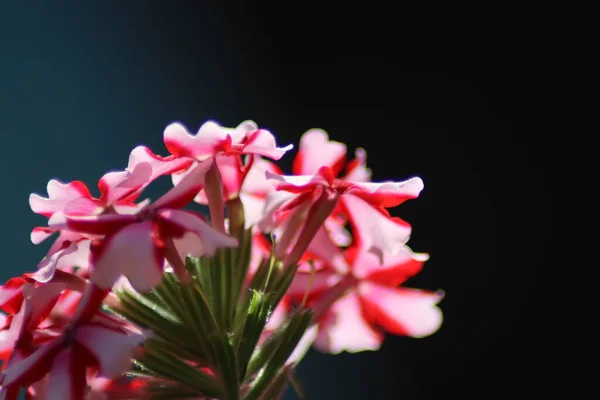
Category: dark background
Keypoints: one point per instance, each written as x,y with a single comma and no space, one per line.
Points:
482,122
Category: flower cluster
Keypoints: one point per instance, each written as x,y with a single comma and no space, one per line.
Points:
132,290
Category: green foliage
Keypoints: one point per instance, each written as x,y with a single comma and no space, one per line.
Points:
205,335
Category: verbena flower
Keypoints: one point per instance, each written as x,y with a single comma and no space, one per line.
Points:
140,299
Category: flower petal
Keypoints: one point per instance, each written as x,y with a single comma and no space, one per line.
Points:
401,311
11,295
209,238
135,252
255,181
230,170
356,169
303,345
73,196
67,376
306,282
41,233
32,368
382,235
116,186
103,224
262,142
160,165
186,189
316,151
396,269
387,194
112,349
49,264
324,248
201,146
296,183
343,328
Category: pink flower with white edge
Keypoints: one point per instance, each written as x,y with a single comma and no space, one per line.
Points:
224,148
364,203
136,245
255,190
354,310
118,191
316,151
102,343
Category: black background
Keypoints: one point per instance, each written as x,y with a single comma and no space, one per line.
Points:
482,122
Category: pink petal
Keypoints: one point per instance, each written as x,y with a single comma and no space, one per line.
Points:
387,194
42,299
262,142
260,249
112,349
80,258
401,311
11,295
343,328
49,264
316,151
116,186
303,345
209,238
102,224
397,268
186,189
356,169
74,196
33,367
41,233
135,252
379,234
253,209
66,305
305,282
201,146
230,169
64,236
296,183
241,132
160,165
9,337
67,376
324,248
255,181
336,226
131,208
274,202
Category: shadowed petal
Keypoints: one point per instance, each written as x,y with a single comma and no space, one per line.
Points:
133,251
112,349
383,236
343,328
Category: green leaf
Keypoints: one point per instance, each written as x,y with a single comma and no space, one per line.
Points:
162,325
257,283
166,365
271,357
280,285
227,366
275,388
241,263
259,311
